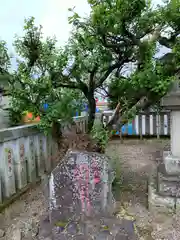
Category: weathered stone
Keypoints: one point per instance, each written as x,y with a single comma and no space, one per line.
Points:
171,100
17,234
81,200
157,203
2,233
163,175
172,164
80,184
177,205
169,189
168,185
167,182
35,231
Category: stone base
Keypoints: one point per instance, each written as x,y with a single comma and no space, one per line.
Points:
157,203
160,203
103,228
167,185
172,164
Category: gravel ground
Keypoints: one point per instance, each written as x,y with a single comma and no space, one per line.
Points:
136,159
20,220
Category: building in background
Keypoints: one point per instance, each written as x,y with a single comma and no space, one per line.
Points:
101,102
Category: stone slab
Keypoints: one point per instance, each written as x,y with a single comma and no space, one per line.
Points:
172,164
177,205
99,229
169,189
171,102
168,185
81,184
81,202
164,176
158,203
166,153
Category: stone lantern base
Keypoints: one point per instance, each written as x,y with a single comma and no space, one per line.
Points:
164,186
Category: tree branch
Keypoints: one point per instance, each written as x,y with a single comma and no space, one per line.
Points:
119,118
122,43
91,79
104,95
135,41
69,85
110,70
106,92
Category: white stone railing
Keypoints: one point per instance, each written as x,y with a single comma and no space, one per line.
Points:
26,155
145,124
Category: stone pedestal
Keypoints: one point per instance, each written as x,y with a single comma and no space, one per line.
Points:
172,159
164,185
175,133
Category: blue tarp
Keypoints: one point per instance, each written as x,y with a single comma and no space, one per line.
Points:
45,105
127,129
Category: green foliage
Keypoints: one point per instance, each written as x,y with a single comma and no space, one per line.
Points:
4,57
33,82
61,110
150,82
4,66
132,30
151,79
100,135
116,165
176,51
115,33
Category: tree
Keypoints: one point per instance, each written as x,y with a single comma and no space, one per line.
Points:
134,28
91,65
4,67
116,32
31,85
118,27
83,65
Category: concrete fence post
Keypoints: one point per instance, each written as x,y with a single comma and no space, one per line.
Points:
20,164
7,170
31,159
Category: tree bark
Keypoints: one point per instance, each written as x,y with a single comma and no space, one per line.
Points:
92,111
56,131
121,118
115,117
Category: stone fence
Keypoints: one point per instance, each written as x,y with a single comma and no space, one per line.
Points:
26,155
144,124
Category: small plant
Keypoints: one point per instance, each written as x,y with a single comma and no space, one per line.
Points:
116,165
100,135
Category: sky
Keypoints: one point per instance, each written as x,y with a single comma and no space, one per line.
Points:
51,14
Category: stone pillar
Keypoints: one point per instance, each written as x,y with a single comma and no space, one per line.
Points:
164,185
172,102
175,133
172,160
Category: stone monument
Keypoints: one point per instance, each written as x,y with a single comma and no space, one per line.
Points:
164,187
81,202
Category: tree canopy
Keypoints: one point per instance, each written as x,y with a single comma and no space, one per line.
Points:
116,34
